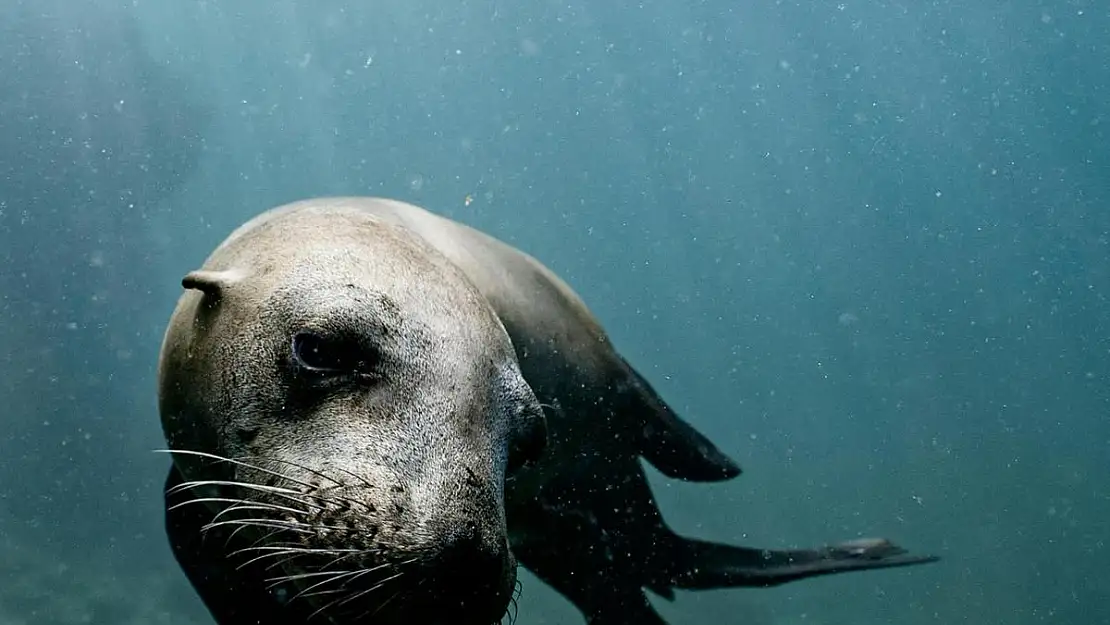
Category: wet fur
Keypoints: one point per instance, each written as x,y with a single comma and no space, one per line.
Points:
560,512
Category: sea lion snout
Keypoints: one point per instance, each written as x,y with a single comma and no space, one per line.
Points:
471,573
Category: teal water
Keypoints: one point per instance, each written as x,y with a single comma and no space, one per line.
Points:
865,247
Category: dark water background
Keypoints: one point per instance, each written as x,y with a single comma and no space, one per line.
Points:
863,245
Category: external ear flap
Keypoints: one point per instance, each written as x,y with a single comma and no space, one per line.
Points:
528,440
210,283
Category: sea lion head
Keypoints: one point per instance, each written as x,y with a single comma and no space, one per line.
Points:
349,406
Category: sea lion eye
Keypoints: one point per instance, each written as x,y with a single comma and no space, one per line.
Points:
327,355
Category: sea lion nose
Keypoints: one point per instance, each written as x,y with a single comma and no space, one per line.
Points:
469,557
472,573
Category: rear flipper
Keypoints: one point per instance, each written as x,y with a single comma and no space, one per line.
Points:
705,565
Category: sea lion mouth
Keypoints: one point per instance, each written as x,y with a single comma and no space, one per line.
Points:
316,543
429,588
385,595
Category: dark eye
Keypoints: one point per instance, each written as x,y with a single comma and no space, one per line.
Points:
328,355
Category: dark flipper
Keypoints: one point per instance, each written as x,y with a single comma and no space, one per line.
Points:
571,554
702,565
602,543
669,443
635,610
599,594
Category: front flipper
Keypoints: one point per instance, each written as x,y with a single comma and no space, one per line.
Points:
568,551
668,442
703,565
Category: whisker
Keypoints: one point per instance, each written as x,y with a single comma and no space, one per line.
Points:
271,551
268,505
323,583
204,535
298,549
274,554
282,561
327,497
279,551
248,485
386,602
234,532
302,467
259,507
256,523
372,569
272,508
282,522
284,493
241,463
314,489
513,611
554,406
322,608
361,479
339,559
240,504
298,576
320,593
370,614
266,537
343,600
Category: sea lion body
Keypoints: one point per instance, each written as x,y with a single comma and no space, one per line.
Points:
472,337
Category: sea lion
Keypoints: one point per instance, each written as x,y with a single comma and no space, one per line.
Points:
354,393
